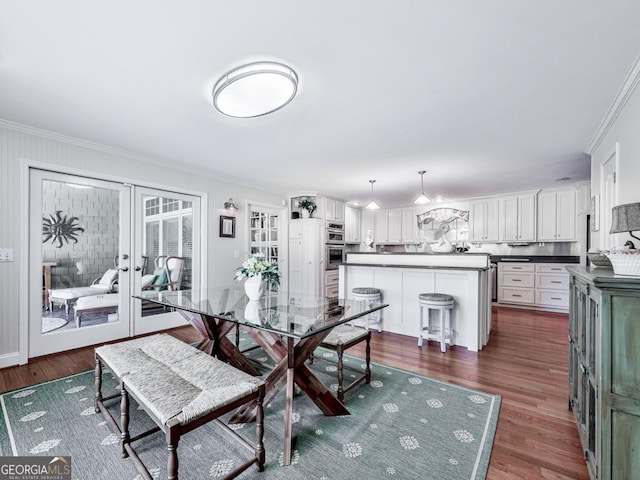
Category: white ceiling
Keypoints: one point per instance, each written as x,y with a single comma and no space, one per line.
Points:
488,96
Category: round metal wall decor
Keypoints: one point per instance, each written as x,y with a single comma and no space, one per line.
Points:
58,228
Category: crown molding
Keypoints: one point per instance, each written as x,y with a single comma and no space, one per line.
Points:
619,102
59,137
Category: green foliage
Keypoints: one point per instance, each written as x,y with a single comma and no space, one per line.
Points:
307,204
256,264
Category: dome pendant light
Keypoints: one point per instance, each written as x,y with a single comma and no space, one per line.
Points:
422,199
372,205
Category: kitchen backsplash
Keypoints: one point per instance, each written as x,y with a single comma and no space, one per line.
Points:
548,248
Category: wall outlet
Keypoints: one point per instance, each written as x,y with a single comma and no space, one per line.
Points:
6,254
236,254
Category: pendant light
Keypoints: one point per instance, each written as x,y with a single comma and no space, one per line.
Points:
372,205
422,199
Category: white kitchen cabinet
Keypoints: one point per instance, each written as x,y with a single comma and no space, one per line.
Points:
557,215
334,210
352,224
381,226
541,285
552,286
395,225
367,225
483,220
516,283
409,225
517,220
306,257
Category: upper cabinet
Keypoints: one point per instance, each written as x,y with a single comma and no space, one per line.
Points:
557,215
367,230
334,210
396,225
352,224
484,220
517,219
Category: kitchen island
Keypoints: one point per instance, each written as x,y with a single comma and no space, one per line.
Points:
401,277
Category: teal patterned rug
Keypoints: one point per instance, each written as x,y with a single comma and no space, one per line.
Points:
402,426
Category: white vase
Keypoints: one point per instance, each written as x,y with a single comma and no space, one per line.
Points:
305,213
253,287
252,311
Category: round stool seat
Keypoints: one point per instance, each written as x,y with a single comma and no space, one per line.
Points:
365,291
435,298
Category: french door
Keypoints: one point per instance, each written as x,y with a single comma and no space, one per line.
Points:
92,245
79,243
268,234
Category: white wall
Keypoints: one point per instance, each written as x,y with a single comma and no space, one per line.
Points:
20,143
620,130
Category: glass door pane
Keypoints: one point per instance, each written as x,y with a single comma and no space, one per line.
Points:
266,227
78,252
167,252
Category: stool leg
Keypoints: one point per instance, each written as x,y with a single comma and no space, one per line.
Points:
421,325
443,340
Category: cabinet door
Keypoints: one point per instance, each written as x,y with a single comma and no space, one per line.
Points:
509,219
367,220
352,225
547,218
477,221
330,209
566,216
409,225
395,225
625,460
338,213
381,226
527,218
492,222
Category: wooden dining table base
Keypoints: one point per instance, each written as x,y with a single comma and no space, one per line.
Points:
290,369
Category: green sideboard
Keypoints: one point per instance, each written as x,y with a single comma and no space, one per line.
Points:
604,370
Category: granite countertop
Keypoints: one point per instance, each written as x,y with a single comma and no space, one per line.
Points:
417,253
536,258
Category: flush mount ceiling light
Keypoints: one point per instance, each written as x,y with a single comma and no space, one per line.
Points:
255,89
422,199
372,205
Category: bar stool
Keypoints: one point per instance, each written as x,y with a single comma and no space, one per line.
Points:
442,332
370,295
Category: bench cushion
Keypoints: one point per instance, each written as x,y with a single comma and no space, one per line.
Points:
174,379
344,334
77,292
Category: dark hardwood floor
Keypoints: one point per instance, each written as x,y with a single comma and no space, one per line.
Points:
525,362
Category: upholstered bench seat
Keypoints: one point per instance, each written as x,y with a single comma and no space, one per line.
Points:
180,388
341,338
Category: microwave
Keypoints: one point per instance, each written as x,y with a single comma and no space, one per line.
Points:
334,256
334,236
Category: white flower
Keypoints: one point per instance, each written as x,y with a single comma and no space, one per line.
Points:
376,384
390,407
221,468
477,399
23,393
391,470
352,450
463,436
434,403
415,381
409,442
453,461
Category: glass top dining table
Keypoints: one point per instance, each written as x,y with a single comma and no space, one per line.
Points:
280,312
289,327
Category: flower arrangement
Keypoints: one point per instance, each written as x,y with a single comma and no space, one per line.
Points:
258,264
308,205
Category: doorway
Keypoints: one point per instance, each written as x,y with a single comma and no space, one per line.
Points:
95,243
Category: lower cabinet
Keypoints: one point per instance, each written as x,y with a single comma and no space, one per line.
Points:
604,370
541,285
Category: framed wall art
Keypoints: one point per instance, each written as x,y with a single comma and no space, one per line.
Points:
227,226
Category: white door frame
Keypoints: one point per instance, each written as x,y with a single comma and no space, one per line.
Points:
26,165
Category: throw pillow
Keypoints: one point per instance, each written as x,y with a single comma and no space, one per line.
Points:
160,278
147,280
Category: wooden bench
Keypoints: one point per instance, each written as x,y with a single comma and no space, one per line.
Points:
180,388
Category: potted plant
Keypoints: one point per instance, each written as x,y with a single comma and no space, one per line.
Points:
307,207
258,271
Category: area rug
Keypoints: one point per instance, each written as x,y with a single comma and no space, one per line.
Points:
49,324
401,426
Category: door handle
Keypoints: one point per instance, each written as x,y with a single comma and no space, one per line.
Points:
124,269
137,269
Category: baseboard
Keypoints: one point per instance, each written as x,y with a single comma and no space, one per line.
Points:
9,359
